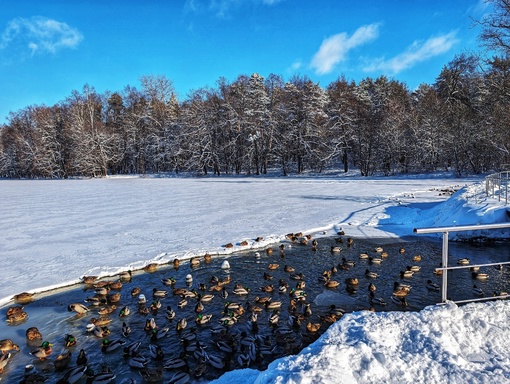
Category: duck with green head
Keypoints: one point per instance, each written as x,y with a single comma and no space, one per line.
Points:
43,351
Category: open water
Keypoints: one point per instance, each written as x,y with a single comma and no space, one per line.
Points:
203,348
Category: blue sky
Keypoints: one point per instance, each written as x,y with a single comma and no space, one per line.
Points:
50,48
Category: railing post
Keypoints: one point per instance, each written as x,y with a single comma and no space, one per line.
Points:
444,291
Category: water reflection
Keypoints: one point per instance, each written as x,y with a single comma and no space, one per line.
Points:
284,323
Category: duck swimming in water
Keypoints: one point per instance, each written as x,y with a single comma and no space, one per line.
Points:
43,351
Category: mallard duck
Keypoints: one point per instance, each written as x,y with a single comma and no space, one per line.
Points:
205,298
376,300
117,285
273,304
475,268
114,298
4,359
331,283
62,361
155,305
89,279
262,300
352,281
203,319
23,297
500,293
70,341
182,324
313,327
33,333
350,241
124,311
176,263
151,267
132,348
273,319
417,258
150,324
267,288
82,358
402,250
101,321
431,286
169,281
363,256
126,329
73,375
370,274
350,263
181,377
297,276
288,268
477,290
14,310
159,292
170,313
463,261
102,291
17,317
273,266
413,268
199,307
79,308
101,378
135,291
399,300
138,362
126,276
335,249
111,345
182,303
479,276
194,262
372,287
406,274
334,310
307,309
374,260
7,345
241,291
107,310
378,249
43,351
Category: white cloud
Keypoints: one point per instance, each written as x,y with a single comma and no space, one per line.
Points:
334,49
418,52
296,65
40,35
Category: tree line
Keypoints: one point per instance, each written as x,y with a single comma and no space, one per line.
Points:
255,125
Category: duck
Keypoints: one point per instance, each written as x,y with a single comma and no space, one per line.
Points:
372,287
43,351
151,267
182,324
331,283
417,258
297,276
375,260
313,327
267,288
335,249
62,361
70,341
135,291
307,310
73,375
288,268
479,276
132,349
406,274
363,256
273,266
176,263
117,285
194,262
334,310
7,345
464,261
126,329
150,324
199,307
413,268
33,333
138,362
350,241
125,311
101,321
205,298
399,300
431,286
17,317
169,281
477,290
155,305
107,310
352,281
203,319
79,308
89,279
500,293
180,377
402,250
376,300
23,297
82,358
241,291
114,298
273,304
370,274
159,292
111,345
170,313
126,275
350,263
207,258
182,303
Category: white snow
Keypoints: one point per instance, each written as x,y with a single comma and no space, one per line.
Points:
54,232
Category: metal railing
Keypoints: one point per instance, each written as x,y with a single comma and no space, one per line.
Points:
497,184
445,268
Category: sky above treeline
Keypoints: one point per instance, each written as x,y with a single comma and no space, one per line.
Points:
50,48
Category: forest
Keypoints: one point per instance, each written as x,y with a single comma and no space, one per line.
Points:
255,125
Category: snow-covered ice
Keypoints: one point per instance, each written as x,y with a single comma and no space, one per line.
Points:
55,231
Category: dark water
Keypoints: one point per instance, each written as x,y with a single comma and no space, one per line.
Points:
50,311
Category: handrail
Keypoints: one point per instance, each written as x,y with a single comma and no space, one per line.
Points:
445,268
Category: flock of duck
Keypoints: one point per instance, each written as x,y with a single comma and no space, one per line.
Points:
197,320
